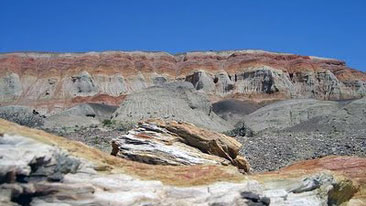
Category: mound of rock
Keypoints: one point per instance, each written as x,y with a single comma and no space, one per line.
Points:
174,101
350,117
80,115
296,130
178,143
233,110
288,113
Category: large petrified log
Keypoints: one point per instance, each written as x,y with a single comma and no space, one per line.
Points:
178,143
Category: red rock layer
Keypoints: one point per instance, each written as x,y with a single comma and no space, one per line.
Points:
351,167
138,69
129,63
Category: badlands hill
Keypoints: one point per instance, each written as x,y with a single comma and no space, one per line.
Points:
298,107
54,81
198,128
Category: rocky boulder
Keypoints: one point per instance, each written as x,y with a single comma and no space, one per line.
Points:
178,143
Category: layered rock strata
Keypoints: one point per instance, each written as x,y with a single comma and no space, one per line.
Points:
178,143
53,81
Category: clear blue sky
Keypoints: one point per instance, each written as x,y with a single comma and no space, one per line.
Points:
329,28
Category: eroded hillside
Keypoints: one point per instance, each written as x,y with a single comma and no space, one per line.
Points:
53,81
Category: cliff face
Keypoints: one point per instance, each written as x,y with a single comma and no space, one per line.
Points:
51,81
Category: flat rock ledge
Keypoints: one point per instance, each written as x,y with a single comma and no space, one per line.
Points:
178,143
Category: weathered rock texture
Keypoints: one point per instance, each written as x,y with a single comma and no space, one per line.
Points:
233,110
284,114
351,116
294,130
174,101
308,115
22,115
37,168
178,143
51,81
79,115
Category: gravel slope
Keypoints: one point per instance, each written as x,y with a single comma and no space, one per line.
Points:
270,151
336,128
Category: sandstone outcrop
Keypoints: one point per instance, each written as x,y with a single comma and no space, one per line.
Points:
178,143
49,81
37,168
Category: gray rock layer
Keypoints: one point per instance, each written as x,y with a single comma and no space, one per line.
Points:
262,80
80,115
288,113
178,101
296,130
